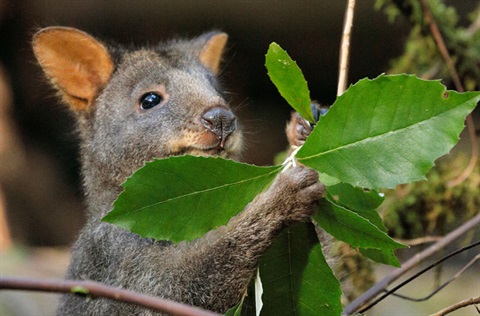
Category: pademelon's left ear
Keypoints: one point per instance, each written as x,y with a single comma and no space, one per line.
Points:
212,50
77,64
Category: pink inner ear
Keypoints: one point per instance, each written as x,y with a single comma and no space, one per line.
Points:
212,51
76,63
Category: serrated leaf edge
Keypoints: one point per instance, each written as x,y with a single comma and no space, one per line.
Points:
109,216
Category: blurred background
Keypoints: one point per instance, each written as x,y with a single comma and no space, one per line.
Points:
40,185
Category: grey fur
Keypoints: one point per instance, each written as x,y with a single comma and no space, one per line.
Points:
116,139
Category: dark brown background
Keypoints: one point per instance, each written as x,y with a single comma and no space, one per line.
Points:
40,175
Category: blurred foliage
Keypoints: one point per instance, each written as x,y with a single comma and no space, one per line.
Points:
427,207
431,207
354,271
421,56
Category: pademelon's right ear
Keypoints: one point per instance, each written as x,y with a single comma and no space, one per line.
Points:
77,64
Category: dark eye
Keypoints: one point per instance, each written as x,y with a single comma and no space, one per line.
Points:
150,100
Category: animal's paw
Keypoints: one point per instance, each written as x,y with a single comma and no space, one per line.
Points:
298,128
296,193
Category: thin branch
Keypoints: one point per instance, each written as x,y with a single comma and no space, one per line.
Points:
416,275
475,26
454,307
420,241
442,48
418,258
470,31
345,49
438,289
95,289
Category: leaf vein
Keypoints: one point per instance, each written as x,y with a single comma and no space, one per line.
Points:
375,137
230,184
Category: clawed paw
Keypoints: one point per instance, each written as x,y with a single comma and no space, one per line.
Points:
299,190
298,128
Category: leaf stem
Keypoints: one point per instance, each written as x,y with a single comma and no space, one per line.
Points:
291,161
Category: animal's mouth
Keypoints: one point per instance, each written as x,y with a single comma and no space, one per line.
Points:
210,144
207,143
230,149
216,150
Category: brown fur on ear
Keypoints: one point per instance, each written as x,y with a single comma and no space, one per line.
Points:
212,51
77,64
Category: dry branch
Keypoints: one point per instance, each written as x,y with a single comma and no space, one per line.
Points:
95,290
345,49
439,288
454,307
417,259
442,48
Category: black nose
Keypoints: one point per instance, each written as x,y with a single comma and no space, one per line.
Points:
221,121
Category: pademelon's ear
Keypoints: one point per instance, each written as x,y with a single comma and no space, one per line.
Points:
212,51
78,65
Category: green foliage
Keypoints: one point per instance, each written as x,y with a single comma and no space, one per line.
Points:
433,208
421,55
355,271
364,203
352,228
296,278
381,133
357,200
197,194
408,114
289,80
236,310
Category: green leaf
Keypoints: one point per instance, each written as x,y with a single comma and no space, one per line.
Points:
363,203
357,200
387,131
351,228
236,310
296,278
289,80
386,256
182,198
327,180
80,290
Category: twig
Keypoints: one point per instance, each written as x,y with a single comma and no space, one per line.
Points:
418,258
475,26
291,161
416,275
96,289
419,241
345,48
442,48
438,289
454,307
470,31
